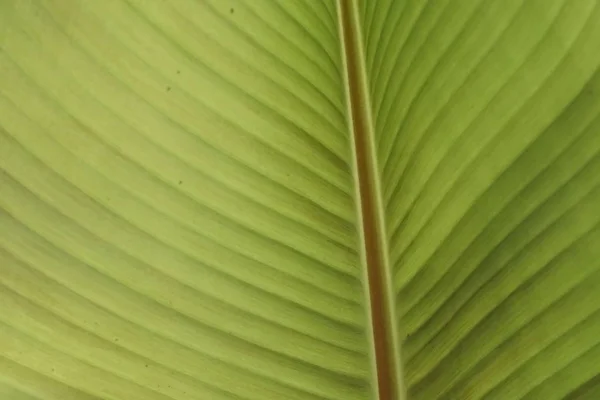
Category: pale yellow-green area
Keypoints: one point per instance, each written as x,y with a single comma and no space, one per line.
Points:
177,215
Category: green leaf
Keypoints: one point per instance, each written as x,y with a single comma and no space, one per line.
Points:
299,199
487,130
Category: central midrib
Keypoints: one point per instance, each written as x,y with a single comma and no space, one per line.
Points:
387,365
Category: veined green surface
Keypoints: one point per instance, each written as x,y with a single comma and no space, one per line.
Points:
487,125
177,203
178,206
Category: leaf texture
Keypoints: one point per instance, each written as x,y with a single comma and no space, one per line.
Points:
180,198
177,214
487,128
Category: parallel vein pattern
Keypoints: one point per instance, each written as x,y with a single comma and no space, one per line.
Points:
177,215
487,122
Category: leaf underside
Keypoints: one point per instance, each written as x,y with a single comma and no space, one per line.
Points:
180,216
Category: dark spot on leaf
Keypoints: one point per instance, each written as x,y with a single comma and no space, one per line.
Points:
231,10
590,91
178,72
180,182
168,88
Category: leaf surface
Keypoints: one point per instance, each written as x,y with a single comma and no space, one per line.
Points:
303,199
